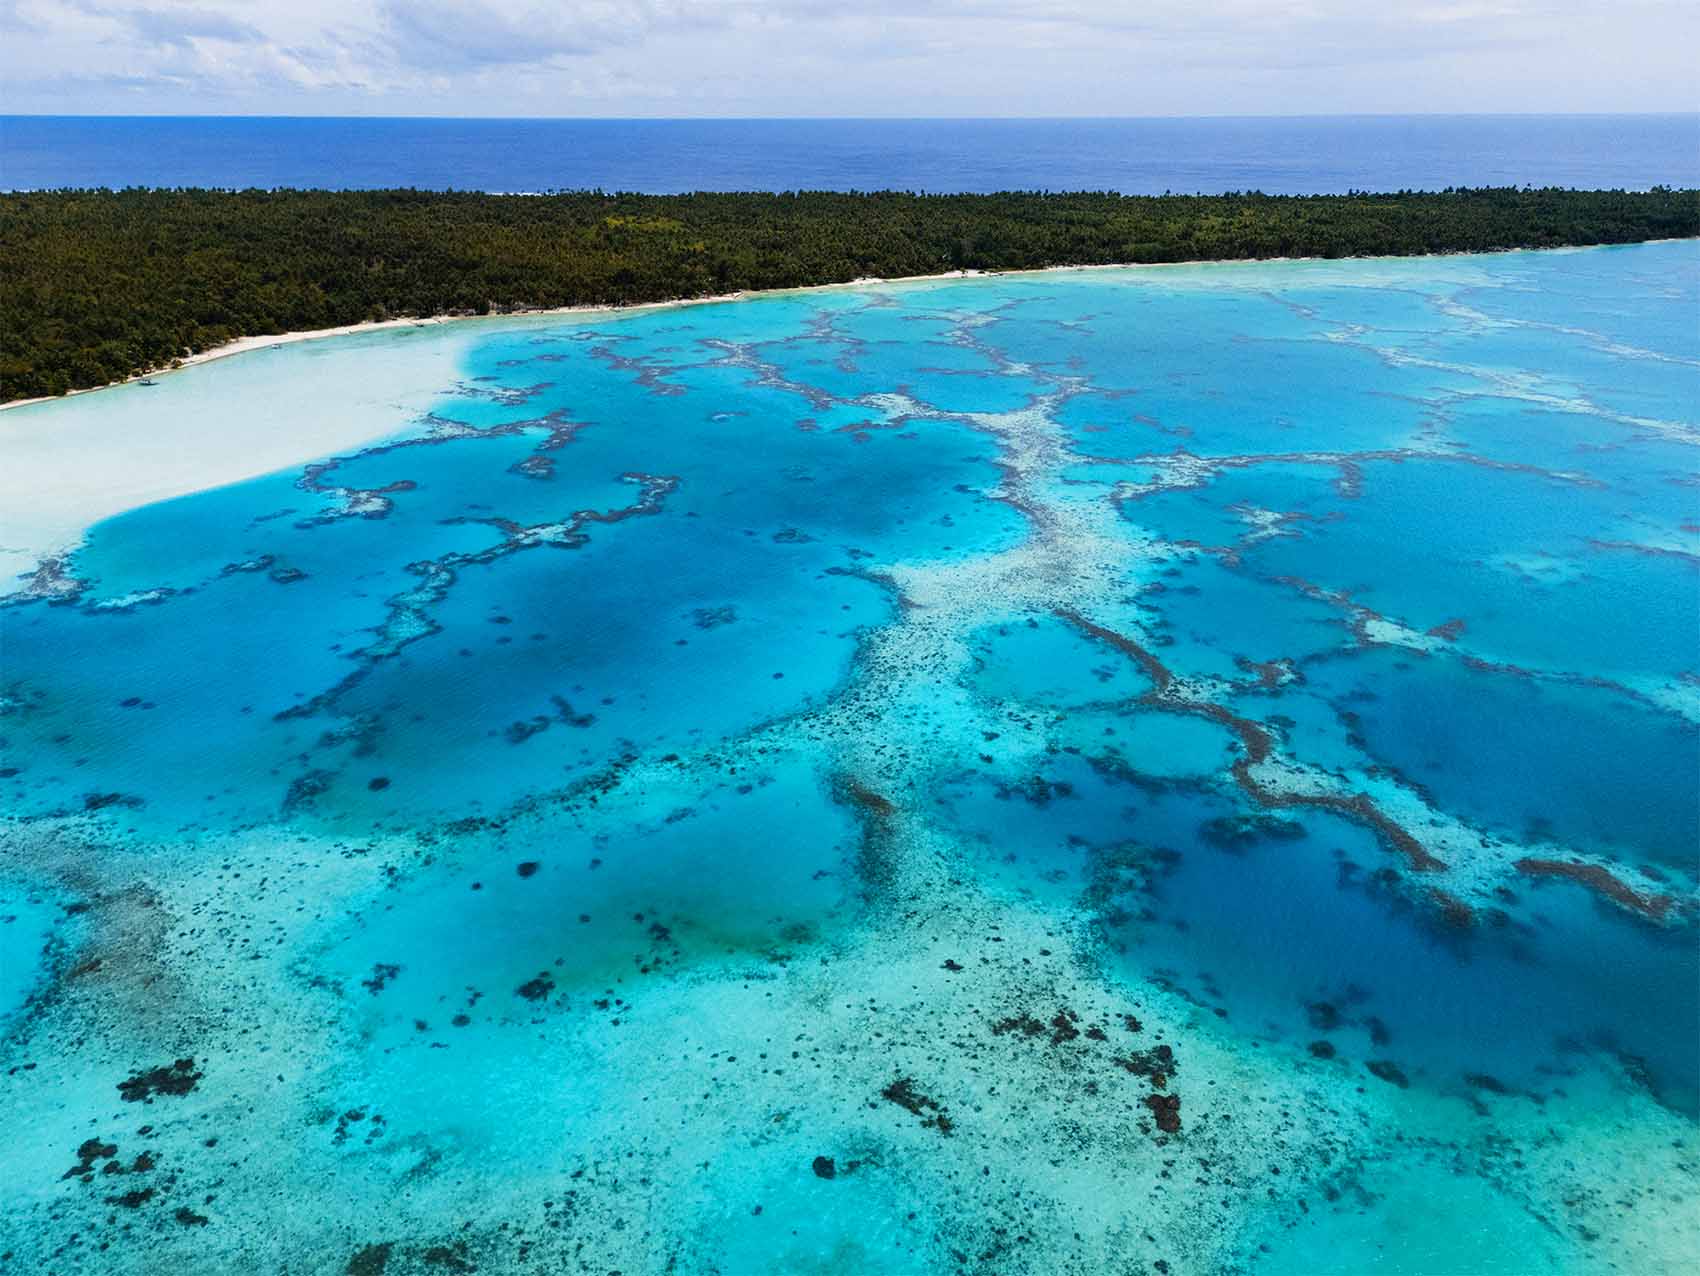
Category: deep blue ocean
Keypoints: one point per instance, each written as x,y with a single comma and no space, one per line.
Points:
1315,155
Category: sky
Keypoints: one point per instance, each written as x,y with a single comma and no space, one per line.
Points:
846,57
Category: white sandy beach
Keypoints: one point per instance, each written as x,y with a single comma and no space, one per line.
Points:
73,462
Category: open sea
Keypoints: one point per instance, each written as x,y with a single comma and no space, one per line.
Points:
1181,770
1138,156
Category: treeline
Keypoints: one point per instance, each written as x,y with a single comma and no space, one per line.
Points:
96,285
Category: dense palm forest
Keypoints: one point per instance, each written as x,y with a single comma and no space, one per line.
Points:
97,285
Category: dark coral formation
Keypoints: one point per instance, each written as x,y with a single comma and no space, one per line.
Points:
537,988
176,1079
1602,881
903,1093
1389,1072
1165,1110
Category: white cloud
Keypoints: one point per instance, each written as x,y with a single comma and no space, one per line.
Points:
844,57
182,27
460,35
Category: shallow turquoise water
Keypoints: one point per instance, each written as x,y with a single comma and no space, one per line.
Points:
1184,770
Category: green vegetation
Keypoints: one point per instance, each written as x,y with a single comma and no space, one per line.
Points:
98,285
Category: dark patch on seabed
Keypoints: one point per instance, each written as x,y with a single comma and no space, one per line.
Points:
1158,771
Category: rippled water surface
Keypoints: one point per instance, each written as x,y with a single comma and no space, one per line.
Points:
1171,770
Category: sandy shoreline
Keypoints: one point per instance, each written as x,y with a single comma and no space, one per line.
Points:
241,345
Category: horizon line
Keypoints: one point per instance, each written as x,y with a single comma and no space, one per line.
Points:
877,119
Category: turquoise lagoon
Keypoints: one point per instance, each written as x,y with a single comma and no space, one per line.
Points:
1185,770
